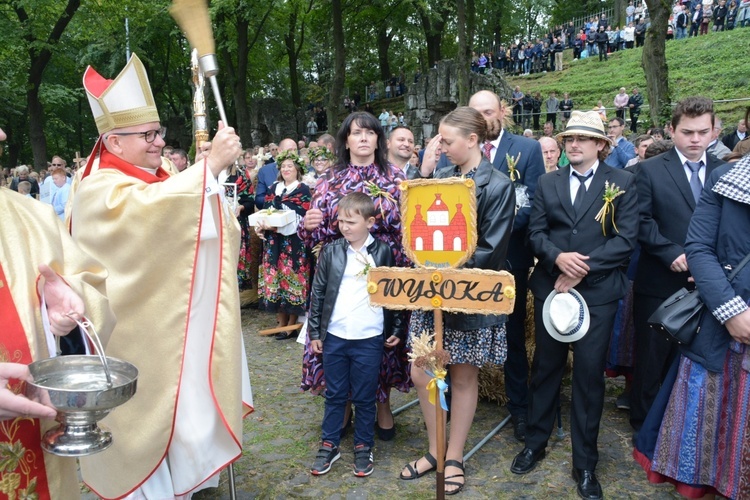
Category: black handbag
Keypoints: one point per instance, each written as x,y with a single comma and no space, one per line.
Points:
679,317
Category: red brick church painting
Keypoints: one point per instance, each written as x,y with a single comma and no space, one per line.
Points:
439,232
437,215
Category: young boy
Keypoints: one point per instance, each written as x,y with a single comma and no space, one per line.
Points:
349,332
24,188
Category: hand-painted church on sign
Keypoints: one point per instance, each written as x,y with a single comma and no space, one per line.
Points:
439,232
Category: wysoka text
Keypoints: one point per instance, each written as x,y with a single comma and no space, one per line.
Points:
447,289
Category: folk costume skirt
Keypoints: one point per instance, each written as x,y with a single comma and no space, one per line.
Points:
702,443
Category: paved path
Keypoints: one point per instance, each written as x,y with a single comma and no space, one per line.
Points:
281,438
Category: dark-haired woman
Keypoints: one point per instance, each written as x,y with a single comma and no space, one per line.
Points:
362,166
472,340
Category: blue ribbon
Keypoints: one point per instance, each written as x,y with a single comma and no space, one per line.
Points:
442,386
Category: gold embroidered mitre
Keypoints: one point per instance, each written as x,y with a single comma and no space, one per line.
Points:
123,102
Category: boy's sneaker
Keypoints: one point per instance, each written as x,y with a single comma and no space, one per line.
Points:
363,465
327,454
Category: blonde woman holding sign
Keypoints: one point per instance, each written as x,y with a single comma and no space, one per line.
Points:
471,339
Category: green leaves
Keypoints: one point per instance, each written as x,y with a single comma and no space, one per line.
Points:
11,455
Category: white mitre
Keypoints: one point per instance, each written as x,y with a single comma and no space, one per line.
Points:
123,102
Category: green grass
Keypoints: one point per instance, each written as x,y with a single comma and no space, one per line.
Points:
713,65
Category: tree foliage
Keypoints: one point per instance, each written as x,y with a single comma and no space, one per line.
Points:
302,53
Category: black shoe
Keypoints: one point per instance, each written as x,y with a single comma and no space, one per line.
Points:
385,434
285,335
328,453
363,462
623,401
460,486
588,487
414,473
519,427
526,461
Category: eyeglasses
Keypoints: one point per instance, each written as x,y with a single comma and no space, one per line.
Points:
149,135
56,164
579,138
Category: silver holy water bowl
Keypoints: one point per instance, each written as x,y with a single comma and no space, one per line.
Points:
81,391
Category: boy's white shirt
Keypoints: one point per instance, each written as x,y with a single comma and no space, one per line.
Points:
353,318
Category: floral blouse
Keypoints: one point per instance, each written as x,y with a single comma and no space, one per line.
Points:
335,183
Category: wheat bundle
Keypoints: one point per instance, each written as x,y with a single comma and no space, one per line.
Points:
193,19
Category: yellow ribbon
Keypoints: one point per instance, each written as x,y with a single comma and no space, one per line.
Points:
607,209
438,381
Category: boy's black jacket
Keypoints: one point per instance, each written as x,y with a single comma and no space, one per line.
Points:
329,272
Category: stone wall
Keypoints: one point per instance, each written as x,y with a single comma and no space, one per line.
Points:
273,119
425,103
436,94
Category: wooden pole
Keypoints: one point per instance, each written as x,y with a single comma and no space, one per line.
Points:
440,421
279,329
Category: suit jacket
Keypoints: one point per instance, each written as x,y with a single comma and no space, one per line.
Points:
666,205
530,167
681,20
621,154
731,140
555,228
267,175
34,185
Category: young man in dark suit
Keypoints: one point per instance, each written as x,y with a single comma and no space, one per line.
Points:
667,194
577,251
529,167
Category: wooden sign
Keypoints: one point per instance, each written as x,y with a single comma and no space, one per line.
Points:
439,221
439,218
475,291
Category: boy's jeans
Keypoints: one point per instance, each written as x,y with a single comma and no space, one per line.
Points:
351,367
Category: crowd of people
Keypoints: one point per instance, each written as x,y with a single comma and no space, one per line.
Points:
529,109
594,279
599,37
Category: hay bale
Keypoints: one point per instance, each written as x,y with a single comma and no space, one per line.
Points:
492,377
492,384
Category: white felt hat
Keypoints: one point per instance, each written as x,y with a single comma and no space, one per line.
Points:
566,316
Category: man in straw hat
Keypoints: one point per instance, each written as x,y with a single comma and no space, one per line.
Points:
179,315
585,252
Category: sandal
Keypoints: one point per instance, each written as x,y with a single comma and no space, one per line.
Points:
458,465
412,468
285,335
